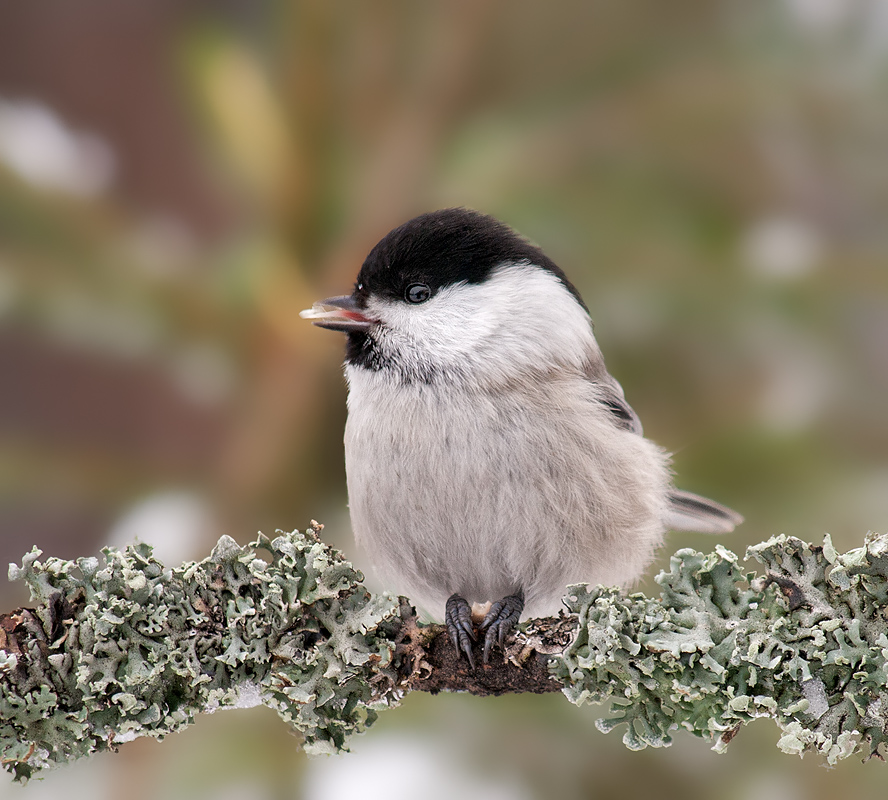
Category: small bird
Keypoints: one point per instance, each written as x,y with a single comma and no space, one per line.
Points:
489,454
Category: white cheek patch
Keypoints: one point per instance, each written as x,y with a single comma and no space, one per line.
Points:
521,317
541,322
457,318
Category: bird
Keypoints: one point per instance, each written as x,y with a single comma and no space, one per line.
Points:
490,456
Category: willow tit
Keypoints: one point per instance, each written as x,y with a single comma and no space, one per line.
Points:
489,454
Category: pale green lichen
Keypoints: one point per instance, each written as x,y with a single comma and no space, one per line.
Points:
805,645
125,647
131,648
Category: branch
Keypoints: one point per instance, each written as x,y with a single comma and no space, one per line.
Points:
130,648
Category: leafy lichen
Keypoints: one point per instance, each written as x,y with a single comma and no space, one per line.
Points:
130,648
805,645
124,647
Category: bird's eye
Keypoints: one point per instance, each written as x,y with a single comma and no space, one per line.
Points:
417,293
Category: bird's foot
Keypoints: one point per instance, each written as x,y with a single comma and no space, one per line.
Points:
458,617
502,617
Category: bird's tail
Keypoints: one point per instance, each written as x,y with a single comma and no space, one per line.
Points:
691,512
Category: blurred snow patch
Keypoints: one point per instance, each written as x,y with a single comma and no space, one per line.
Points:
782,247
397,766
40,148
177,525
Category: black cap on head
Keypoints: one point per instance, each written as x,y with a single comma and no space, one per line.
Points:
445,247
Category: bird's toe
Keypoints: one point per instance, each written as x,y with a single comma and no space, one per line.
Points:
458,618
500,620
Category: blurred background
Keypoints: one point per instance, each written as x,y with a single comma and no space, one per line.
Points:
179,178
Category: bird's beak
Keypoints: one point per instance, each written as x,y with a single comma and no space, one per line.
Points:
338,314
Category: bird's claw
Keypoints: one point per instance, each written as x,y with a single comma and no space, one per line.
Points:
499,621
458,617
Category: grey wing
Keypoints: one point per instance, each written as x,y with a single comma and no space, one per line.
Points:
687,511
612,398
691,512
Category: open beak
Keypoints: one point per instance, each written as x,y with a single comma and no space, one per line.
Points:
337,314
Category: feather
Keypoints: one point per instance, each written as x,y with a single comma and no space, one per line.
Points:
611,394
691,512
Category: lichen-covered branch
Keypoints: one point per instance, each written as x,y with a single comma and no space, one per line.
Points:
804,644
126,647
130,648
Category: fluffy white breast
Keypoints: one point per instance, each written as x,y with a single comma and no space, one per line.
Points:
481,459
